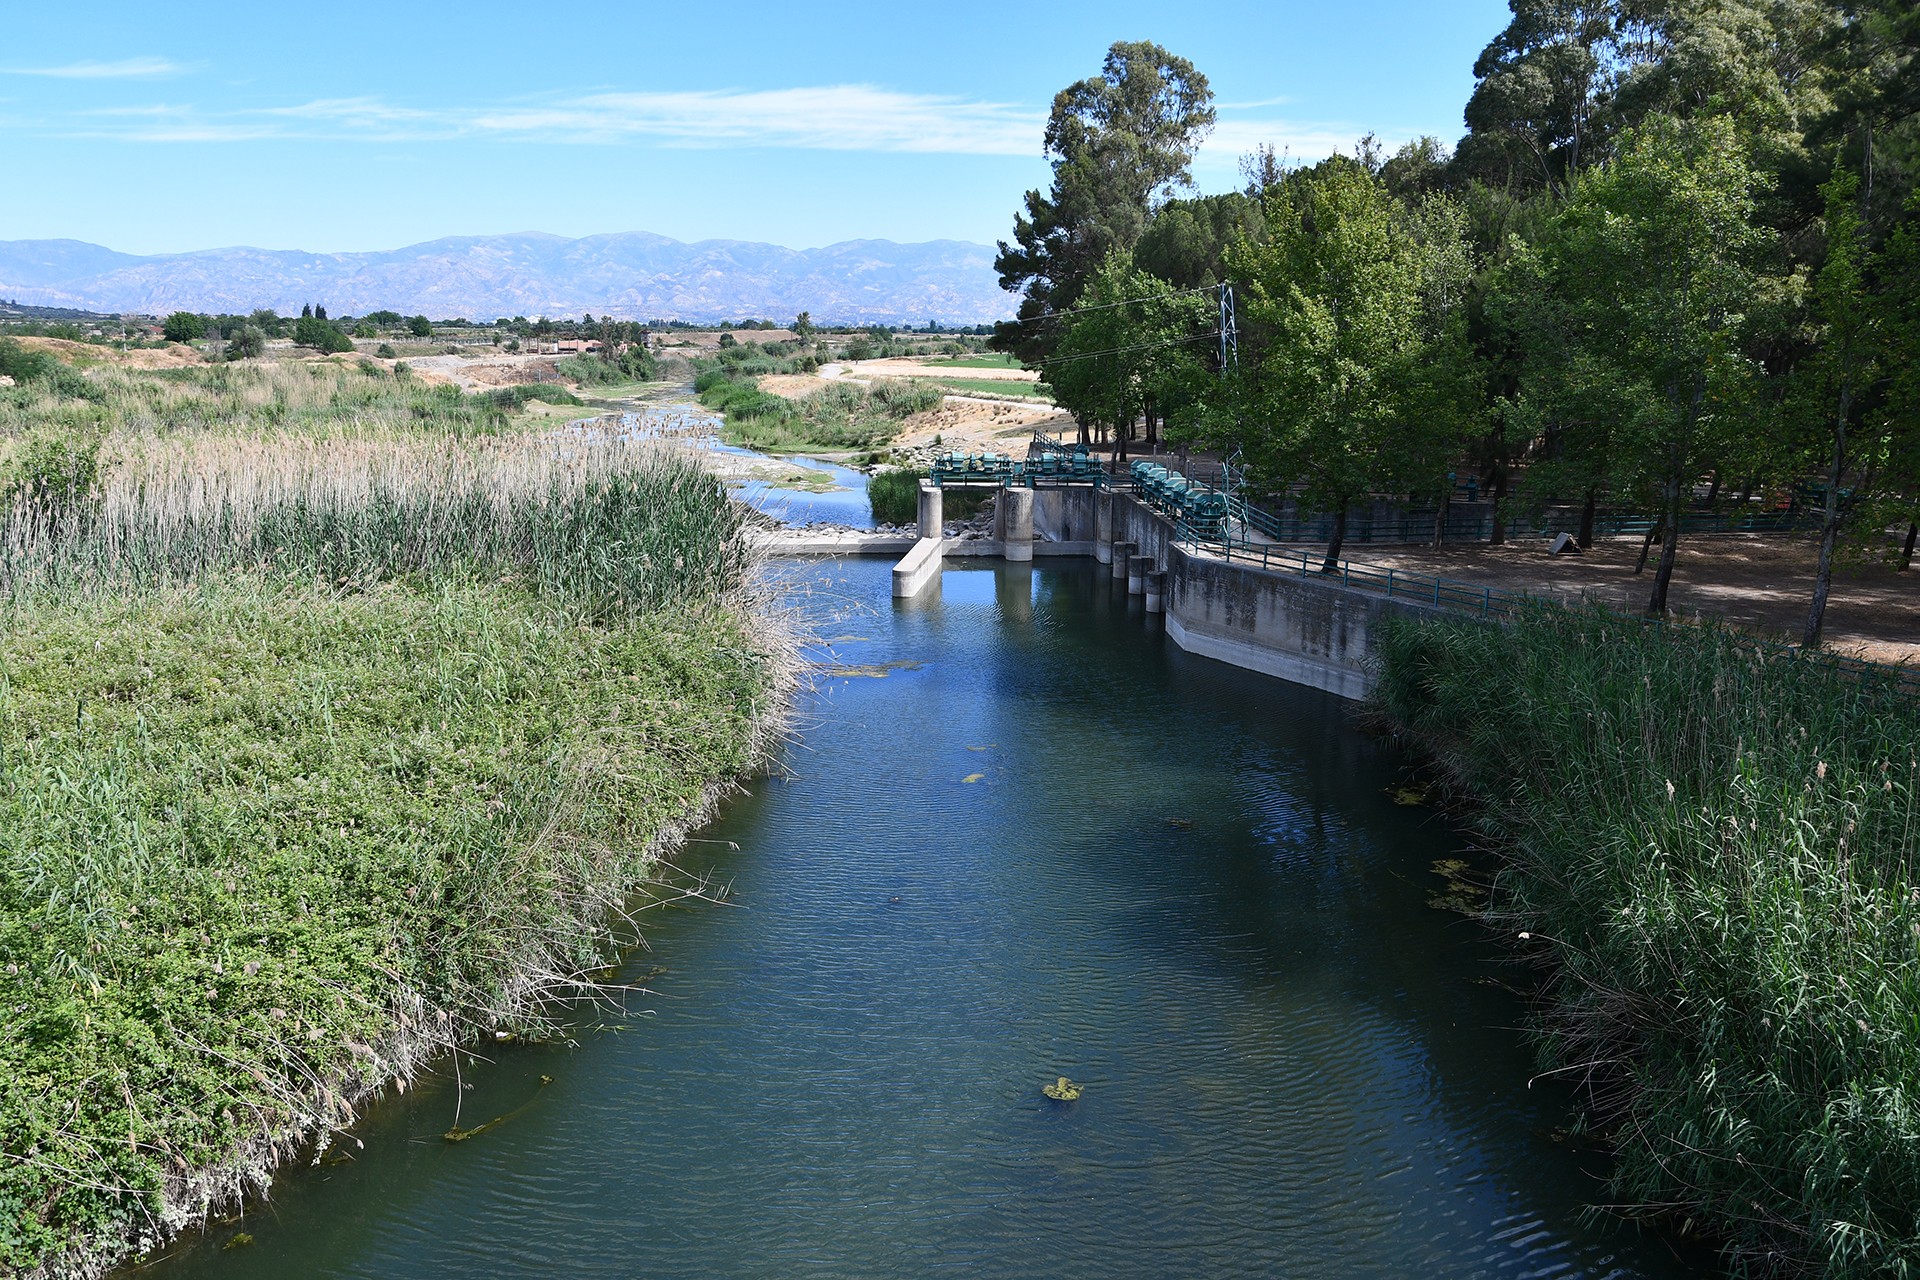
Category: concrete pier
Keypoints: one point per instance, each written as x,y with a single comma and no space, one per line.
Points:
1015,518
1273,618
931,508
1156,591
920,565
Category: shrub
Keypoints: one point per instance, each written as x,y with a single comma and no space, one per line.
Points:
248,342
321,335
384,351
184,326
420,327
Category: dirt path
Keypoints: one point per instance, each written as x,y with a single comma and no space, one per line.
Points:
1755,582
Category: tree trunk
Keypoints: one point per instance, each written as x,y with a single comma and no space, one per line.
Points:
1585,539
1713,487
1669,547
1906,552
1646,544
1496,494
1440,519
1082,424
1332,563
1830,524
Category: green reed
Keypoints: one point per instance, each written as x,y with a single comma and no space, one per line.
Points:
1708,846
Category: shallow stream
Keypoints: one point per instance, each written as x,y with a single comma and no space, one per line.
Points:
1021,836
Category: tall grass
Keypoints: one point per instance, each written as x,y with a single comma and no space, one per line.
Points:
601,524
337,724
1710,851
294,398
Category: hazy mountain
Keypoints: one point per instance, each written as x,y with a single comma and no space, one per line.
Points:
632,275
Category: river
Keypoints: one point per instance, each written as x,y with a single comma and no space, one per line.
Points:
1020,836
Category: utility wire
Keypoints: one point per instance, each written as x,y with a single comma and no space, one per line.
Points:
1139,346
1108,306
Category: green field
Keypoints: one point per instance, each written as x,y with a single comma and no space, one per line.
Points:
986,360
998,388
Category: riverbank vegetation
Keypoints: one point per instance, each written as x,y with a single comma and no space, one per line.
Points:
836,418
894,495
1708,849
1671,269
338,722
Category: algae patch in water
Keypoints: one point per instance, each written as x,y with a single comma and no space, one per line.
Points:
876,670
1460,893
973,777
1062,1090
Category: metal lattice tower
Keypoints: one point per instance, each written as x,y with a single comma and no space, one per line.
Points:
1229,332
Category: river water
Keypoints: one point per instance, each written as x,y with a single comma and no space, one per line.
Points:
1021,836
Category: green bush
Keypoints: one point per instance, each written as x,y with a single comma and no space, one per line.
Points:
56,475
248,342
894,494
515,398
322,335
1710,848
184,326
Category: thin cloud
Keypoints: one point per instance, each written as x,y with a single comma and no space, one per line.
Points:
847,117
824,118
125,69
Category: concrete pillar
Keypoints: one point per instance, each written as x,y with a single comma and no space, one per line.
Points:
930,508
1121,550
1103,526
1157,591
1016,506
1138,567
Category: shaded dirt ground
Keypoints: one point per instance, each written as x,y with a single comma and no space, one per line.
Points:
1758,583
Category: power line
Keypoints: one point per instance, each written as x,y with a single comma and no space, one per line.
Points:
1139,346
1108,306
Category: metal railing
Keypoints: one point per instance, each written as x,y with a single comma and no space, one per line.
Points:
1425,588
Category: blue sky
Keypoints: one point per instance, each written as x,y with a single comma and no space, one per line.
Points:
342,126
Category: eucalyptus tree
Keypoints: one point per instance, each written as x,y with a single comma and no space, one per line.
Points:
1121,144
1543,89
1650,267
1339,395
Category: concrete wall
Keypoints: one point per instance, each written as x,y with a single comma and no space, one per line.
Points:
1299,628
1065,514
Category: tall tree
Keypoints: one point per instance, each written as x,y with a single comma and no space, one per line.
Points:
1134,346
1121,143
1651,267
1537,115
1841,369
1335,304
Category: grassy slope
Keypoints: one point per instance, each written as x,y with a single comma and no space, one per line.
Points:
268,839
1711,853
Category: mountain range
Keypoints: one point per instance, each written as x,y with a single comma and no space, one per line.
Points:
630,275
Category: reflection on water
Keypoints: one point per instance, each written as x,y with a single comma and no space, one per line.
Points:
1022,836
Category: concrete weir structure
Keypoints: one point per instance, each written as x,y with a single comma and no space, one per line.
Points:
1302,628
